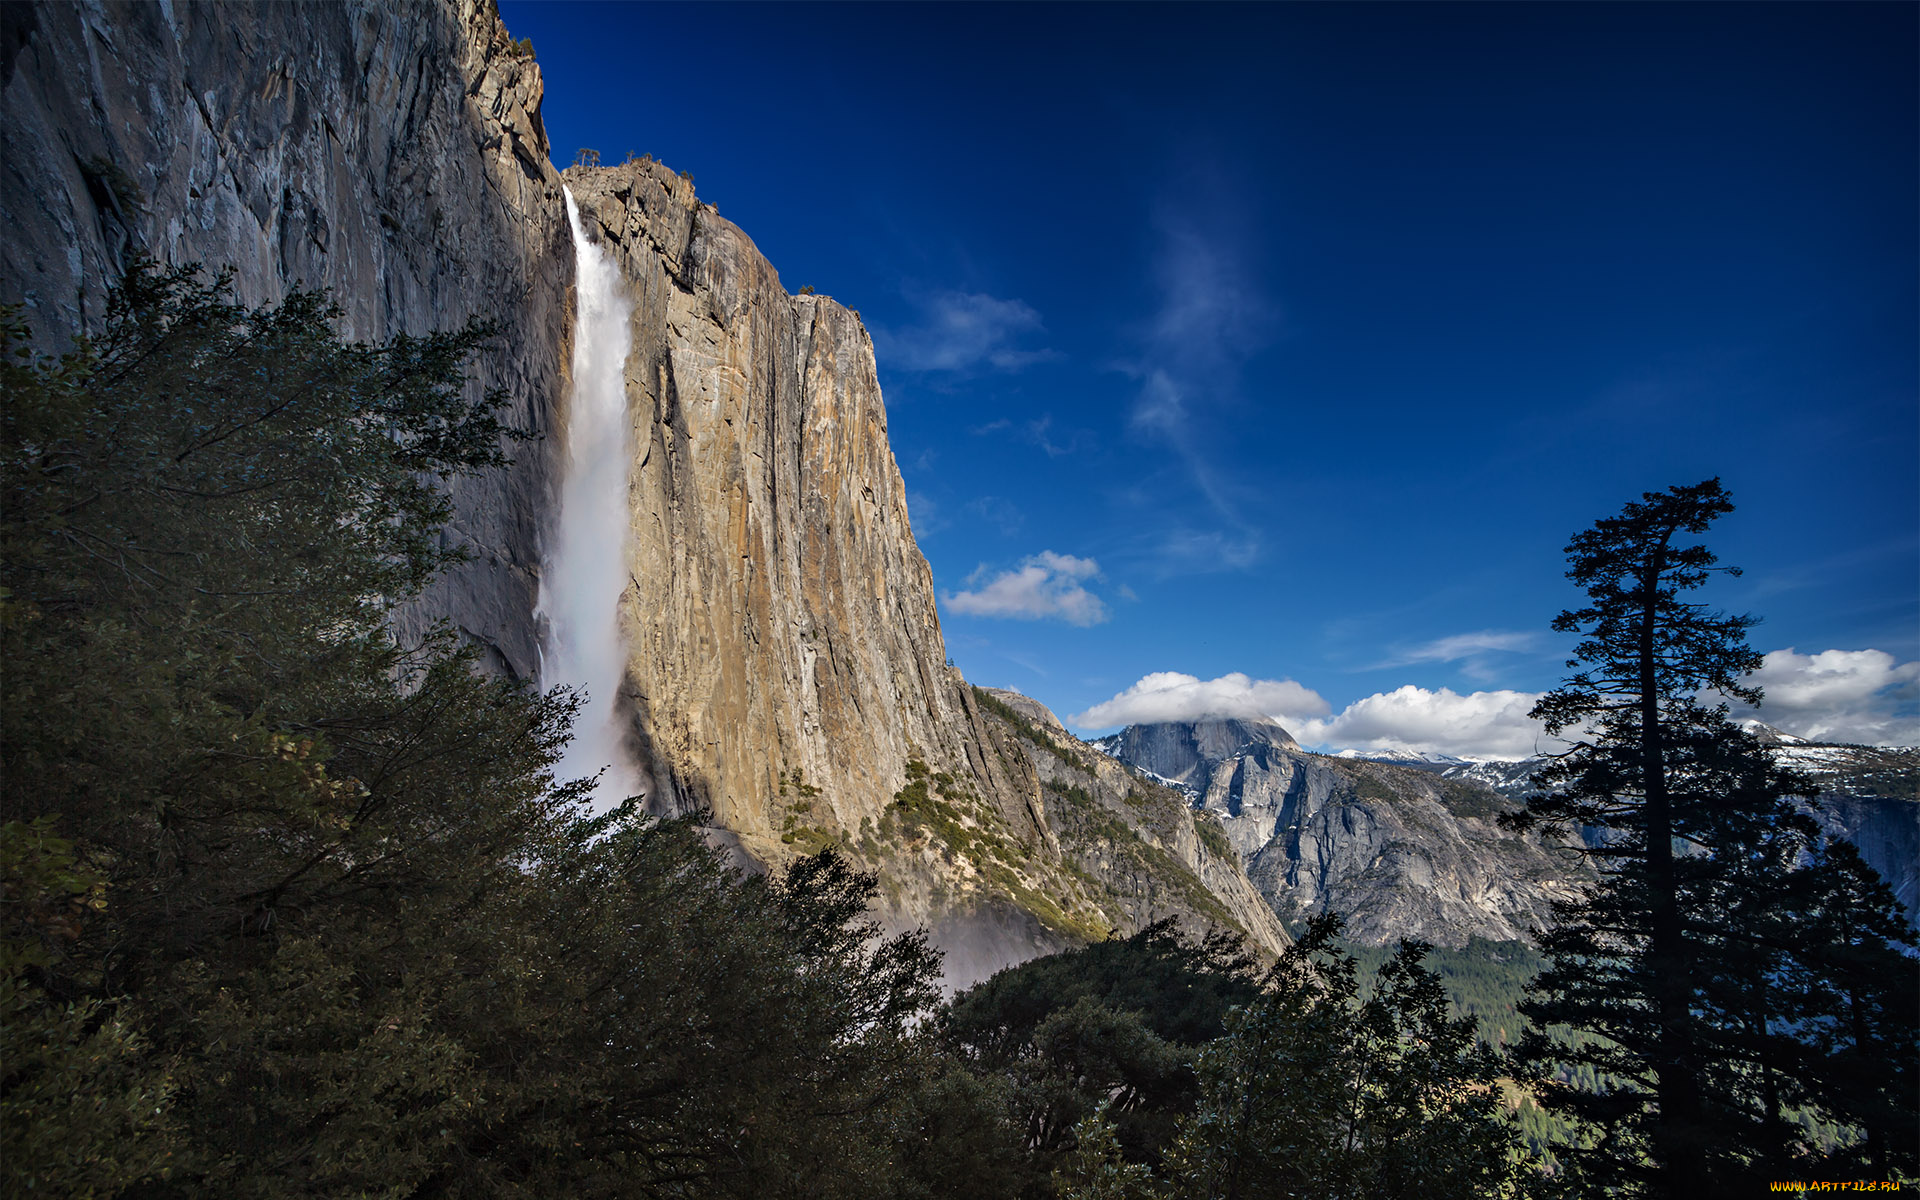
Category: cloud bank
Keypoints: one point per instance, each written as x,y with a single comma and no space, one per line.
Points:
1863,696
1413,721
1046,585
1171,696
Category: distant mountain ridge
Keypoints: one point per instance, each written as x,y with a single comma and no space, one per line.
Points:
1400,849
1408,847
1869,795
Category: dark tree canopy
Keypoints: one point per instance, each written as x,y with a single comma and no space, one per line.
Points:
1682,975
294,909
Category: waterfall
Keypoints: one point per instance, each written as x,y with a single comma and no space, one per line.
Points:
585,570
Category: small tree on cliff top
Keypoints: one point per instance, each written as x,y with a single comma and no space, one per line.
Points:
1687,967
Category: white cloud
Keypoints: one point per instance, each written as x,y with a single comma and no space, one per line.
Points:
1212,316
962,331
1863,696
1044,585
1172,696
1408,720
1414,720
999,512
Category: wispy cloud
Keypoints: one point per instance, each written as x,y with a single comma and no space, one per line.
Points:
924,515
999,512
960,332
1044,586
1184,550
1211,318
1475,651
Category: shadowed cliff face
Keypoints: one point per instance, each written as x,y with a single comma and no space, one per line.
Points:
342,145
785,666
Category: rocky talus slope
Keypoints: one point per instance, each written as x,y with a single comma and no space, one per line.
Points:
1400,851
787,672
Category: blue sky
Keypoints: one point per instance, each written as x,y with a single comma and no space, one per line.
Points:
1293,343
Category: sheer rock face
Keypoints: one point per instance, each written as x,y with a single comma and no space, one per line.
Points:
1401,852
786,667
787,670
779,615
343,145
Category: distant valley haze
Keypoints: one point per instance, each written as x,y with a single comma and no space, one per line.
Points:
1263,359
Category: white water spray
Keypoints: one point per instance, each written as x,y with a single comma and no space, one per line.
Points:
586,566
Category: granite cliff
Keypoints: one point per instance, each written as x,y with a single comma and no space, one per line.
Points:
785,669
1410,848
392,154
1400,851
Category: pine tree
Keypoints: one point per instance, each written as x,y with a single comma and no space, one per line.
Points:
290,908
1314,1091
1677,986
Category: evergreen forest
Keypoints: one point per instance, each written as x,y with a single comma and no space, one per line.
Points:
295,908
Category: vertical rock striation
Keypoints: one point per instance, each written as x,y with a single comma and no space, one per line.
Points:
786,669
348,146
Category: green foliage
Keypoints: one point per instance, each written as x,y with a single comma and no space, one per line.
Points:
1096,1169
1025,728
1465,799
1366,779
523,48
586,156
1148,1068
1485,980
1316,1092
1086,821
936,806
84,1108
294,909
1212,837
1723,987
1108,1029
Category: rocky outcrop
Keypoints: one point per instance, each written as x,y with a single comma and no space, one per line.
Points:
780,618
393,154
1399,851
787,672
1868,795
1411,849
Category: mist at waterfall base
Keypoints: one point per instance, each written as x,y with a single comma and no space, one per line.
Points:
585,570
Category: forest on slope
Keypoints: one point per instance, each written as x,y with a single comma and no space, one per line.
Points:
296,906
